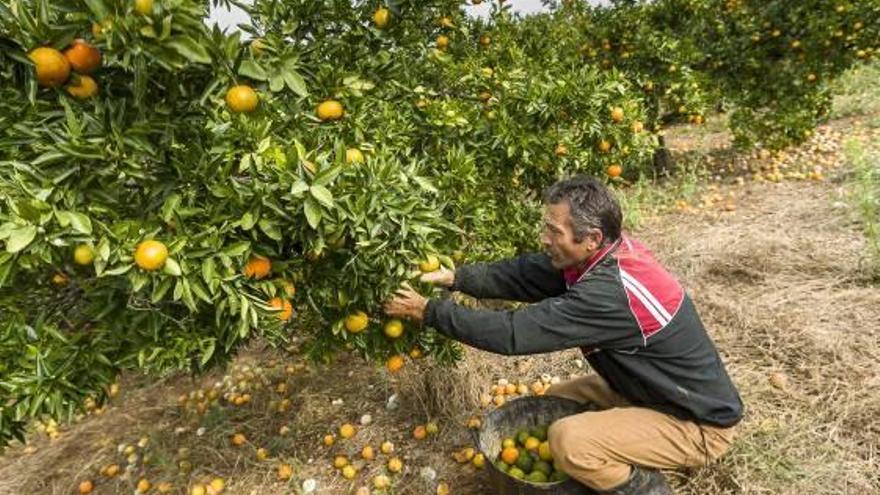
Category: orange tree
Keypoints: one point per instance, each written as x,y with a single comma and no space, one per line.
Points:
170,191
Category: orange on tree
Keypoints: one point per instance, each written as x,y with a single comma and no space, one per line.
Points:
431,263
286,309
637,126
242,99
617,115
560,150
143,7
60,278
604,146
485,40
52,67
393,328
84,254
289,288
381,17
614,171
150,255
82,87
356,322
394,363
354,155
442,42
83,56
257,267
330,110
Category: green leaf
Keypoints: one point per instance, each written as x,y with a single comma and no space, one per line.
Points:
80,223
237,249
299,187
171,267
295,82
323,195
248,220
276,83
20,238
313,213
190,48
270,229
207,353
253,70
98,8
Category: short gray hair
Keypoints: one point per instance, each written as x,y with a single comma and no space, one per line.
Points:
592,205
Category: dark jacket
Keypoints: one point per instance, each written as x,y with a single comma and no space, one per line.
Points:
634,322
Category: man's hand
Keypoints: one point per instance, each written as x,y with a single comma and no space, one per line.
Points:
442,276
407,303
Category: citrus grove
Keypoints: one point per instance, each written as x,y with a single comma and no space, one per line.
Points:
170,191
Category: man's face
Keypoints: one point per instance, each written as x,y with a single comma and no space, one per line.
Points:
558,238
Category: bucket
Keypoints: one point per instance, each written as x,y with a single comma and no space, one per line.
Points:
513,415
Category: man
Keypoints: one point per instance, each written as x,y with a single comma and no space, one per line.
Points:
665,398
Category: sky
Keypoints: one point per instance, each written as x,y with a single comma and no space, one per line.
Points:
225,18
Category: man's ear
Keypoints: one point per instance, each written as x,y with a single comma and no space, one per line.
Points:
594,239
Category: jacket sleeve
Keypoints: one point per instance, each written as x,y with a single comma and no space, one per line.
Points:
588,315
528,278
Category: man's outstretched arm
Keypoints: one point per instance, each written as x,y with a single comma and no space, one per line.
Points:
527,278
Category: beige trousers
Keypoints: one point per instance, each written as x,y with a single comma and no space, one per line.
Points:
598,448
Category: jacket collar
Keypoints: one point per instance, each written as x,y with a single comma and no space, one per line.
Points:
574,275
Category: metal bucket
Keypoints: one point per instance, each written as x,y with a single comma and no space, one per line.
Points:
516,414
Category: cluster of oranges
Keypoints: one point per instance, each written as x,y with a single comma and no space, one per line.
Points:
503,389
349,468
259,268
527,456
53,68
149,255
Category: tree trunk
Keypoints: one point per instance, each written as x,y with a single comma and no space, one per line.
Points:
662,159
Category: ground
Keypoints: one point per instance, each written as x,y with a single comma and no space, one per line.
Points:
778,268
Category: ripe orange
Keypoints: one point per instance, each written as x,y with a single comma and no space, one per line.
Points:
415,353
150,255
340,462
329,440
445,22
242,99
53,69
510,455
262,454
330,110
143,7
164,487
349,472
442,42
60,278
82,56
110,470
86,487
430,264
617,114
257,267
238,439
84,254
82,87
144,485
443,488
346,431
544,452
386,447
394,363
638,127
614,171
381,482
381,17
285,307
532,444
285,471
198,489
367,453
393,328
419,432
485,40
604,146
561,150
216,486
356,322
395,465
354,155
